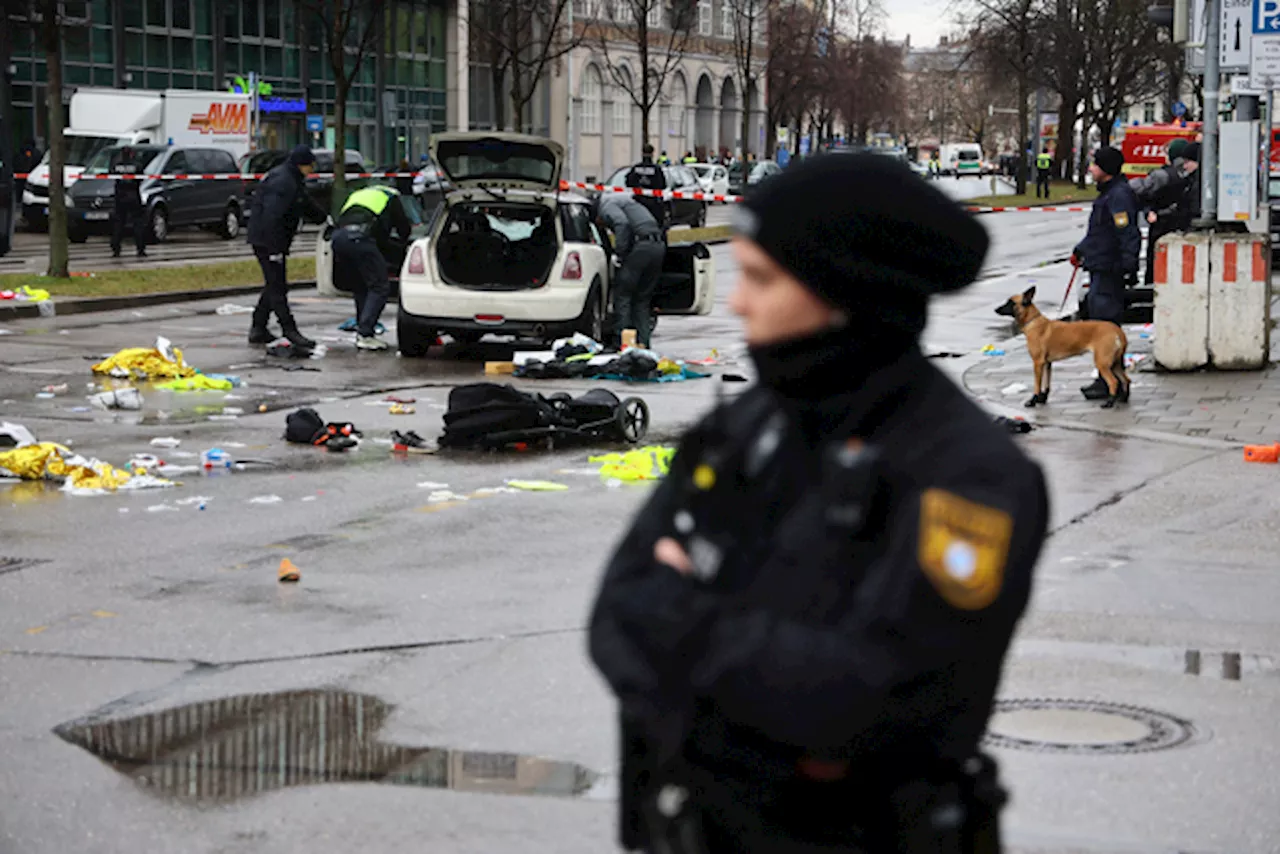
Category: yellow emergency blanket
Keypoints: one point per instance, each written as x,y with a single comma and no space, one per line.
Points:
163,361
34,294
48,461
197,383
648,463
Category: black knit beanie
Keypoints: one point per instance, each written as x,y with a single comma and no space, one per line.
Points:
867,235
1110,160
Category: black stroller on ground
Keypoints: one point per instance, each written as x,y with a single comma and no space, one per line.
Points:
487,416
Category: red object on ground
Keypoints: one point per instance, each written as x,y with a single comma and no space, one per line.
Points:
1262,453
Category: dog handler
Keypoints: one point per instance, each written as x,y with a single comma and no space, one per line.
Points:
806,624
1110,248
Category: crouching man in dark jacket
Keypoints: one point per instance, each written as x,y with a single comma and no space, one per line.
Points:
806,624
279,203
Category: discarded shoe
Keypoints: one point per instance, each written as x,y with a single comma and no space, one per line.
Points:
406,441
1014,425
338,444
370,342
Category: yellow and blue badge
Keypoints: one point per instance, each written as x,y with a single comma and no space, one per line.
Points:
963,548
1121,219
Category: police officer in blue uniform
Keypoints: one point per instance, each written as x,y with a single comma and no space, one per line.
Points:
1110,248
647,175
806,623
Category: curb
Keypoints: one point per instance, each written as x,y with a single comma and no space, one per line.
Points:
90,305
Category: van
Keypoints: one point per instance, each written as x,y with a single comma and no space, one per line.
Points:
962,158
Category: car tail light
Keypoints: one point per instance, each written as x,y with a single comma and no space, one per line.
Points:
572,267
417,265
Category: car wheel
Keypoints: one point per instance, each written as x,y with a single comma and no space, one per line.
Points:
159,224
413,338
77,233
230,227
591,322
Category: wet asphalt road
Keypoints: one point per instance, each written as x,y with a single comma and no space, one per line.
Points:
466,616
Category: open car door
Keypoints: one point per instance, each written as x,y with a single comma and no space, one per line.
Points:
688,281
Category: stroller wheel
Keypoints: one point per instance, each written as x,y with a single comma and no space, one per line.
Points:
633,419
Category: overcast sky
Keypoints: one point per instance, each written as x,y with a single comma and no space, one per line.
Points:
923,20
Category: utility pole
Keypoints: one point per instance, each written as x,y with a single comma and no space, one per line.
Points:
1212,86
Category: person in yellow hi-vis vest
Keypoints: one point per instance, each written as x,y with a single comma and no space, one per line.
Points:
1044,170
361,238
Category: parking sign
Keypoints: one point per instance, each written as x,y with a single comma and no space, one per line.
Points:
1266,17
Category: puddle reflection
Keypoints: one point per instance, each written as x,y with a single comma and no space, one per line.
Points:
240,746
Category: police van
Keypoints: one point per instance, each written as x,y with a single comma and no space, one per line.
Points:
962,158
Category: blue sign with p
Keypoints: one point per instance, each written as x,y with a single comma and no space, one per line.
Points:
1266,16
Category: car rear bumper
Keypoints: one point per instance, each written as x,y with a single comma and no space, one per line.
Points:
546,305
518,328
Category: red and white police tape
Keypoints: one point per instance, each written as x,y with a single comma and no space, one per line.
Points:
564,185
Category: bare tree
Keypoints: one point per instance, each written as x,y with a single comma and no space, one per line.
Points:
870,88
796,47
1124,55
51,42
1065,72
750,58
656,32
1007,36
520,39
351,29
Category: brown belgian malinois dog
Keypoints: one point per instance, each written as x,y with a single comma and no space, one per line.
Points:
1050,341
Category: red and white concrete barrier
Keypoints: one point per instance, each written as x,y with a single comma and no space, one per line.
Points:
1182,301
1239,302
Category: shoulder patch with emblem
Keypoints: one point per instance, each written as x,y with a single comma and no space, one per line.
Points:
1122,219
963,548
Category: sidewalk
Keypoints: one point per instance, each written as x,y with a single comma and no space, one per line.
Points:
1232,406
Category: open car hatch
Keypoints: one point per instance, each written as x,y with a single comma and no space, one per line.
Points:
499,160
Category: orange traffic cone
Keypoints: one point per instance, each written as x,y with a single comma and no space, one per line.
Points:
289,572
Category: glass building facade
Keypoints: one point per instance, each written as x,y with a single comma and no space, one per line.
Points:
397,100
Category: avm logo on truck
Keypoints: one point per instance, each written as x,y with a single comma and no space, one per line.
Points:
222,119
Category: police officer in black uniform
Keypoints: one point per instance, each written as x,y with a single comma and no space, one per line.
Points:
127,202
649,176
1110,247
806,623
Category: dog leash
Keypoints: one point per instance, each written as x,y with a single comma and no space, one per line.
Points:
1067,295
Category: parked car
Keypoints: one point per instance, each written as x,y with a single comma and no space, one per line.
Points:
511,254
319,188
741,180
680,178
712,177
395,257
169,203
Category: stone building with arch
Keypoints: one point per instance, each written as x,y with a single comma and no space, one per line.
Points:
699,109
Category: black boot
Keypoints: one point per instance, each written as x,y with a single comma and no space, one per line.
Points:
260,335
299,340
1097,391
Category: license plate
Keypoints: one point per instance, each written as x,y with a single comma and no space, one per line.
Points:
97,215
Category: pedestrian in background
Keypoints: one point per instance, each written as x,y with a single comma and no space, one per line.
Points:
640,248
1161,193
647,175
806,624
1044,171
1110,248
279,204
127,213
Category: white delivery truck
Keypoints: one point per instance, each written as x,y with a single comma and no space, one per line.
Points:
102,118
962,158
